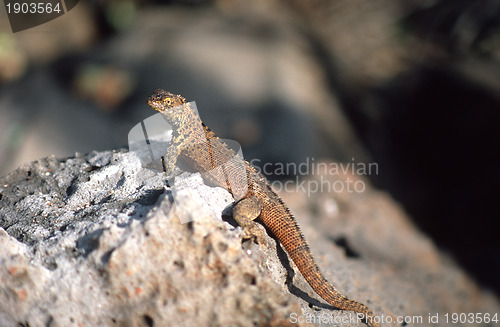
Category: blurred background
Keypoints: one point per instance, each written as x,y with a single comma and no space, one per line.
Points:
413,86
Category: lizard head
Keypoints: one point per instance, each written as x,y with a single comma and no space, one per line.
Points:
163,101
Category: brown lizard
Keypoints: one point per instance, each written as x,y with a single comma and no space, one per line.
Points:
192,141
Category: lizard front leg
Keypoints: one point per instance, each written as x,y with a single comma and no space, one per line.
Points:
173,151
245,212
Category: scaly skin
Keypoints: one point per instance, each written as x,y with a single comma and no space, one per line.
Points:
199,147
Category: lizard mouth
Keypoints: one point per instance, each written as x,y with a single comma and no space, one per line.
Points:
153,104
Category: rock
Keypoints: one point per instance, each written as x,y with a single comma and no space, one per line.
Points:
95,241
98,240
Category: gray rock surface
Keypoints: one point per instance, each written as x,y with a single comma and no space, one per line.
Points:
97,240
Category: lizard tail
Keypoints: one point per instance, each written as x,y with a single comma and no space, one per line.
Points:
304,260
289,234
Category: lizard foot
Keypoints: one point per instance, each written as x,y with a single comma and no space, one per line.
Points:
255,234
245,212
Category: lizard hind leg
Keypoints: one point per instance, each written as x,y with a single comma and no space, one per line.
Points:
245,212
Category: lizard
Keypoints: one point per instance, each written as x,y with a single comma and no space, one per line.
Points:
194,142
